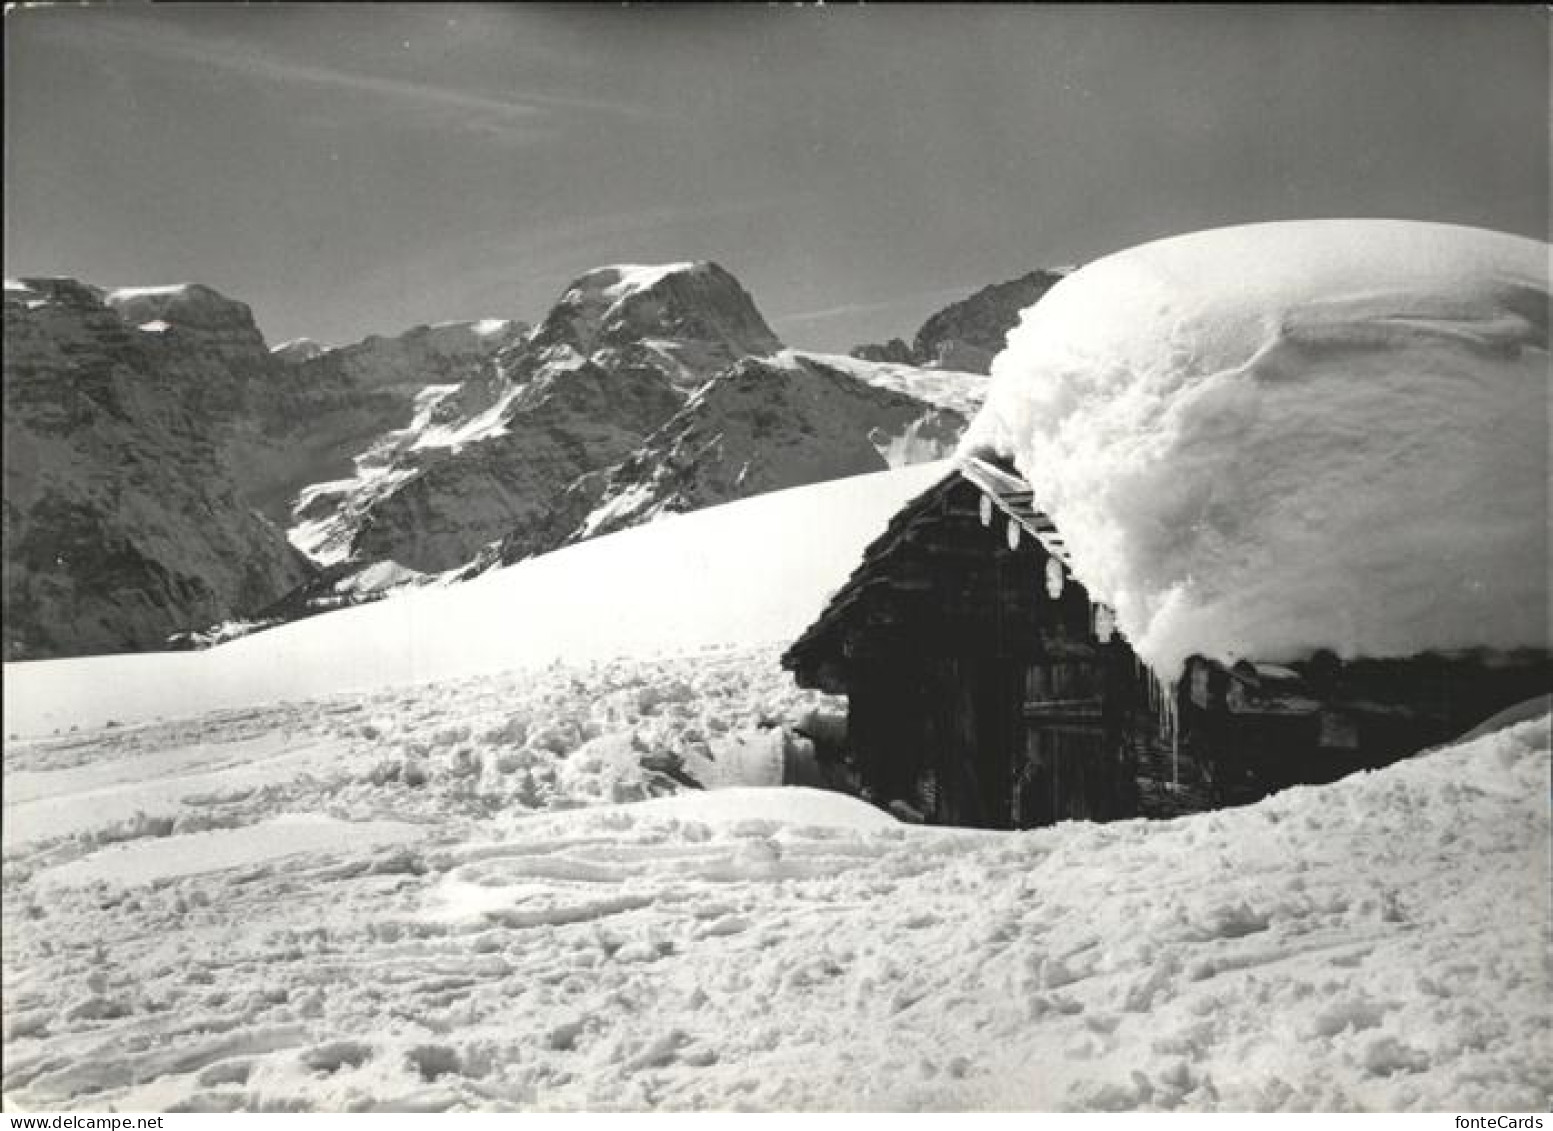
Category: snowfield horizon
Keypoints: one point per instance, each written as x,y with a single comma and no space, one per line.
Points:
752,571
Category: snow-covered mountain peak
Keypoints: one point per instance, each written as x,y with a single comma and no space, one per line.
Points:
639,276
191,306
693,304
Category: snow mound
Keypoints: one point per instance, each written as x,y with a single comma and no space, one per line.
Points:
379,576
799,807
1265,440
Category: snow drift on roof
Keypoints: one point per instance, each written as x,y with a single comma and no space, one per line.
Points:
1263,440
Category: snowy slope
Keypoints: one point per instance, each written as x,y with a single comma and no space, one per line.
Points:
946,388
328,933
752,571
1265,440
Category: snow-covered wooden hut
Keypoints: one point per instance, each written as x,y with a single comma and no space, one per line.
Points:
984,686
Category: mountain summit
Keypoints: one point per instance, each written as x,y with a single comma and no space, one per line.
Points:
695,314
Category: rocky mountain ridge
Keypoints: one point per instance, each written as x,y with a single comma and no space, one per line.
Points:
154,444
432,454
968,334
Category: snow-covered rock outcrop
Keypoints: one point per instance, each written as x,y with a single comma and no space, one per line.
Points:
220,323
297,350
1266,440
124,520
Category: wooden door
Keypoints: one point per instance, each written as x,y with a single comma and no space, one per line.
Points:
1069,762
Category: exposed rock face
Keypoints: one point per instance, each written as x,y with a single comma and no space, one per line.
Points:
122,521
894,350
968,334
222,323
520,448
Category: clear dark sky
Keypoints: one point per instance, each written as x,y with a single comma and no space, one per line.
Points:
356,169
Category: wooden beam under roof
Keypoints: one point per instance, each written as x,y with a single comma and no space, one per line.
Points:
1012,495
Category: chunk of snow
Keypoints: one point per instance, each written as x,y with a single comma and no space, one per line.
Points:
1265,440
377,576
298,349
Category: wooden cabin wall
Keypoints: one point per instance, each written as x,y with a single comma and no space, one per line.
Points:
1383,710
941,637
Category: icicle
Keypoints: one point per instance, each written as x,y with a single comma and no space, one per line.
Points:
1164,708
1054,582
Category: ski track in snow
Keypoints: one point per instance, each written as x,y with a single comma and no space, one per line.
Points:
452,897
